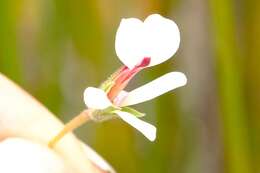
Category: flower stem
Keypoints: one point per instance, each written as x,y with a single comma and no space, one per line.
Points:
80,119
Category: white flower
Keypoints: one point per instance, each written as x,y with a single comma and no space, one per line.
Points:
138,45
96,98
157,38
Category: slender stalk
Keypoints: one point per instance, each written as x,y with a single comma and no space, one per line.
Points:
76,122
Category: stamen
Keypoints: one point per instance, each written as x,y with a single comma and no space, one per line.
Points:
125,76
115,75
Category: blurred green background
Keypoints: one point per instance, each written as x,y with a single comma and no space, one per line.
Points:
56,48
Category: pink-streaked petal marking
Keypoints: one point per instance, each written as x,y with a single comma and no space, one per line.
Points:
120,98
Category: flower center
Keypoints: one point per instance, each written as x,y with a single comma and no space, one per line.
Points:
124,76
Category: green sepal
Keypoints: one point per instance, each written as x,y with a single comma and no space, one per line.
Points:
132,111
110,109
105,114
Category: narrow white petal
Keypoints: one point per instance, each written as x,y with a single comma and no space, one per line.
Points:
145,128
155,88
162,38
96,98
128,43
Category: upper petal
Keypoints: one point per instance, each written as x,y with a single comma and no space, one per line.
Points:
96,98
155,88
145,128
157,37
128,43
162,38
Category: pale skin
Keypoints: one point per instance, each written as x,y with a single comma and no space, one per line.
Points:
22,116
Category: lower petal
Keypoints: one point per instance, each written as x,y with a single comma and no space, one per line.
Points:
145,128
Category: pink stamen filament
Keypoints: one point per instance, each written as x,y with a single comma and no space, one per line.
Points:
125,76
115,75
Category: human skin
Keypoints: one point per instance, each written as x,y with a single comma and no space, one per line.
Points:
25,122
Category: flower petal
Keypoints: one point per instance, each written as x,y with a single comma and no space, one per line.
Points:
155,88
120,97
96,98
162,38
145,128
128,43
157,38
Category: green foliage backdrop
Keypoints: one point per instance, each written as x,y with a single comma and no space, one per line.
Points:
55,49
